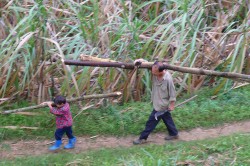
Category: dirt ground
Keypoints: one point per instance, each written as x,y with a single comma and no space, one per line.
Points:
13,149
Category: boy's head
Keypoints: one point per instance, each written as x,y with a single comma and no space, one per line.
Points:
59,101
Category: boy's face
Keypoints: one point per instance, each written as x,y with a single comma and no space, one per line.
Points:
59,105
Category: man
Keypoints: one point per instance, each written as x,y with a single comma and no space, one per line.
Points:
163,98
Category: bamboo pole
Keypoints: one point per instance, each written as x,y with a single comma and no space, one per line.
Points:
201,71
95,96
148,65
104,64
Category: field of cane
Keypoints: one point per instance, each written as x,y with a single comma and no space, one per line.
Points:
36,36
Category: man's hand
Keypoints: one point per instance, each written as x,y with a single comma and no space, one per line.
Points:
139,61
171,106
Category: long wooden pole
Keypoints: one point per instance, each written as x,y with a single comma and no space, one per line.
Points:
200,71
148,65
104,64
95,96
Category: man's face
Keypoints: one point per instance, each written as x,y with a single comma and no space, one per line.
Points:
155,69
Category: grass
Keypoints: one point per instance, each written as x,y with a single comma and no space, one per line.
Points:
230,150
131,117
175,30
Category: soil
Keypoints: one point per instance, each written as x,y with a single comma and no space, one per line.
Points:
13,149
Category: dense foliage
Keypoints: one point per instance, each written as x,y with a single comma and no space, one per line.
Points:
195,33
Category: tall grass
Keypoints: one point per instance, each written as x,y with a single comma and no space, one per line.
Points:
206,34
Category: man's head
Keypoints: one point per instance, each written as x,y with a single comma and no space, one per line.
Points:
156,68
59,101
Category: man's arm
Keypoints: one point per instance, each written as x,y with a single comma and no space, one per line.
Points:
172,93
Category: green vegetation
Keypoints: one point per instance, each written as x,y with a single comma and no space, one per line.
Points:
131,117
231,150
192,33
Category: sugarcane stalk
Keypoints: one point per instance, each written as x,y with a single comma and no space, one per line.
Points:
95,96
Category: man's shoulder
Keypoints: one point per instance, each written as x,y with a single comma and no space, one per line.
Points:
167,76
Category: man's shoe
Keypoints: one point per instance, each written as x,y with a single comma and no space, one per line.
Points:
139,141
168,138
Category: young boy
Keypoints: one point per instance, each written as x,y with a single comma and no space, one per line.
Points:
61,109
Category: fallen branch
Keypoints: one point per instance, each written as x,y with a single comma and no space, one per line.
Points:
83,109
3,100
95,96
178,105
28,113
94,137
148,65
245,84
17,127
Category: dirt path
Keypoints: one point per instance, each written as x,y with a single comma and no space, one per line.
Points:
26,148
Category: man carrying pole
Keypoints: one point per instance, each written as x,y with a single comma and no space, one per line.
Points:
163,98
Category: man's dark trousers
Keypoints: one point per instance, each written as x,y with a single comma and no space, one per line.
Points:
152,123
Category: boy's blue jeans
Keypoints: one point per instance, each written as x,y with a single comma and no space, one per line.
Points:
59,133
152,123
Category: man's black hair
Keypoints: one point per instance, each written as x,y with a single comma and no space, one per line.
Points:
59,100
156,63
160,67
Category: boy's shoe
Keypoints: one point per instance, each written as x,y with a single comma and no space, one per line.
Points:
56,146
168,138
71,143
139,141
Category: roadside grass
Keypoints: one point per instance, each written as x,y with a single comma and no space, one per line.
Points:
229,150
131,117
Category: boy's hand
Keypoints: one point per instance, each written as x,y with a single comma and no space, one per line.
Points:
49,103
44,103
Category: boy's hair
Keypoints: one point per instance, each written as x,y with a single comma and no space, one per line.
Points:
59,100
